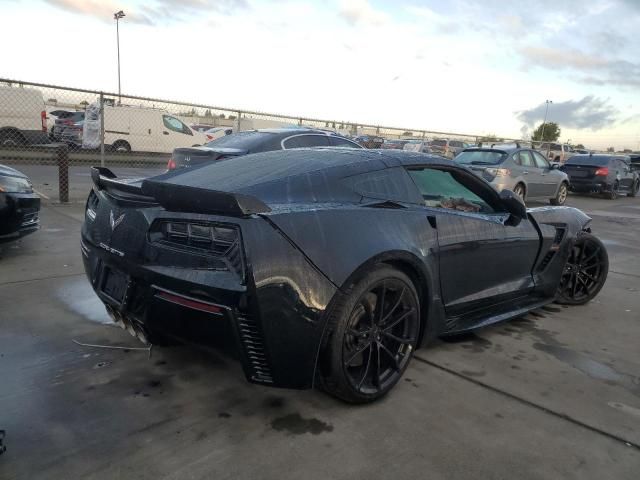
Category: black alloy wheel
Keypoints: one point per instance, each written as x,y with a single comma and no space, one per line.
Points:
585,272
375,332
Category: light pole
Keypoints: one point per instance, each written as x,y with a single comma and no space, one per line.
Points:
117,16
546,110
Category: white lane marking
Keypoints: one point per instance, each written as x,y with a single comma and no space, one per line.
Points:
41,194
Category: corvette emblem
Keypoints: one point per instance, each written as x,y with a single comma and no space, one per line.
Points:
115,221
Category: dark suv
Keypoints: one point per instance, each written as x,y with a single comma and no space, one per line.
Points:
610,175
254,141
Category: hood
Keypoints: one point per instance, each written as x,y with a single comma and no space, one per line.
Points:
11,172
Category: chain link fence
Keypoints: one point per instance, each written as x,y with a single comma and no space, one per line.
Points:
54,134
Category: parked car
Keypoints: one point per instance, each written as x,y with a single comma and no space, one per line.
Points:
523,170
253,141
447,148
19,205
369,141
138,129
328,266
217,132
23,119
610,175
66,120
417,146
391,144
200,127
557,152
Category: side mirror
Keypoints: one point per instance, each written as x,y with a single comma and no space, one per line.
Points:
555,165
514,205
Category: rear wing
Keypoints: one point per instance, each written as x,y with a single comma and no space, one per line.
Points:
178,198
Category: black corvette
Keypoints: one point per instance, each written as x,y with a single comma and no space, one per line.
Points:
328,266
19,205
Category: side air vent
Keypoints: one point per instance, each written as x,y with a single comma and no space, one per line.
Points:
555,246
253,344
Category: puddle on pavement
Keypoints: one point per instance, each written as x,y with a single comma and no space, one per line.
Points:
80,298
294,424
590,367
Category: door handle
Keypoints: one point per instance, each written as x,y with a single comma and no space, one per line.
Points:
149,131
525,173
165,133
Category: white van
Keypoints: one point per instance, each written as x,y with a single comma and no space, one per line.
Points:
23,119
138,129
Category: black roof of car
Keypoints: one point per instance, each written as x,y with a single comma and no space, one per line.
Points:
300,175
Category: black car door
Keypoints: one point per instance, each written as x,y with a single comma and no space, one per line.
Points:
624,174
484,261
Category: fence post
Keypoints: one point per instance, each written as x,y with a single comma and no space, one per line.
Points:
238,123
62,157
101,129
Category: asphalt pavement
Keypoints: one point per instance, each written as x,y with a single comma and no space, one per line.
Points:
555,394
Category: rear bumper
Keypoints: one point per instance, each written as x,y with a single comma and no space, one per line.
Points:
19,215
589,185
273,322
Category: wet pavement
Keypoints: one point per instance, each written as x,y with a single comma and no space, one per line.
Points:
555,394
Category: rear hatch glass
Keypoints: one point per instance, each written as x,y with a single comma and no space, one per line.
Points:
480,157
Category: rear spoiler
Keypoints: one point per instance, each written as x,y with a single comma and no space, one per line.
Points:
180,198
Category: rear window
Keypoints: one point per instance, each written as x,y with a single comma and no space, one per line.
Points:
588,160
242,140
480,157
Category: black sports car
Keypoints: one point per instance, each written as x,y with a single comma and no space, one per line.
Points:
19,205
255,141
328,266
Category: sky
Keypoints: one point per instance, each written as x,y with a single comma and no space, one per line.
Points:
478,67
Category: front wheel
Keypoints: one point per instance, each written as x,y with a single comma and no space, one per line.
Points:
561,196
520,191
372,333
585,272
634,188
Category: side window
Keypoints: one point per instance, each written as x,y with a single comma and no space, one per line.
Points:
515,158
342,142
306,141
441,189
525,159
176,125
541,162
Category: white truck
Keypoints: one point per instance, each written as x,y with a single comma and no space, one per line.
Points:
138,129
23,118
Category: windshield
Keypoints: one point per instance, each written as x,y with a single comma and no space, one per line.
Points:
588,160
480,157
242,140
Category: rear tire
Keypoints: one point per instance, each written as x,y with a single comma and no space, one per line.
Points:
613,194
372,332
585,272
561,196
121,146
12,138
521,191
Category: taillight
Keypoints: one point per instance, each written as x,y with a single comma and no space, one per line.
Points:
604,171
171,164
209,137
43,118
497,172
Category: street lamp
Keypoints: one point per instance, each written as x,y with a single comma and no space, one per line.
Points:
546,109
117,16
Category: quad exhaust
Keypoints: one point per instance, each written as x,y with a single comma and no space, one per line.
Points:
131,325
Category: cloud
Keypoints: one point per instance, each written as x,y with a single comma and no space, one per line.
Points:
598,69
100,9
160,11
357,12
591,112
